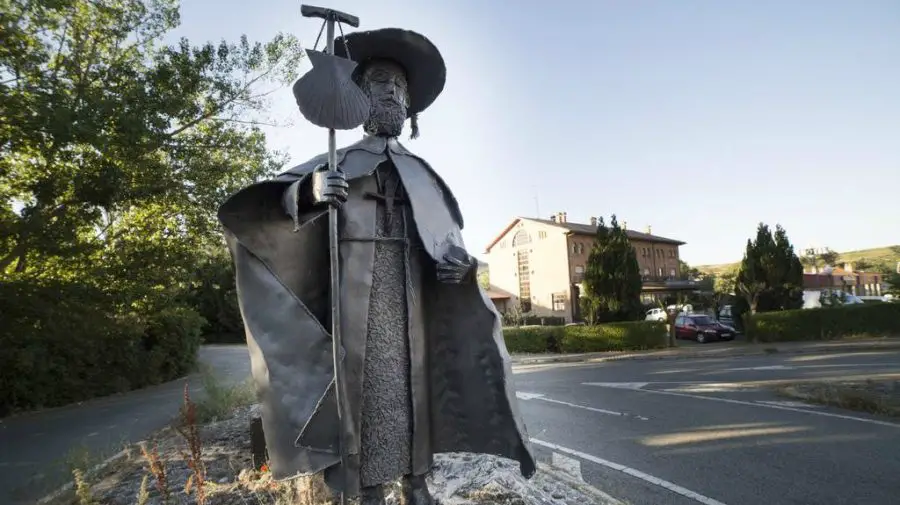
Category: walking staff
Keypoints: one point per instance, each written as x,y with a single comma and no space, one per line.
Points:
328,97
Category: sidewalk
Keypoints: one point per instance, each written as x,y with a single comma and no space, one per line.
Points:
691,350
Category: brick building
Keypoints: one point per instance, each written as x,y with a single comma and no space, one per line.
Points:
846,279
539,264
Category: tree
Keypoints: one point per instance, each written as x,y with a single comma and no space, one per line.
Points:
107,132
893,281
117,150
685,271
828,257
770,276
724,283
612,277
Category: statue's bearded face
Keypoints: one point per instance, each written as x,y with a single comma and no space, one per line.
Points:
385,83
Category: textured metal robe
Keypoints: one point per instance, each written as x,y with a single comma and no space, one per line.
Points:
459,369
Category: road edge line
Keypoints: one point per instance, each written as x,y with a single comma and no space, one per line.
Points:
845,417
656,481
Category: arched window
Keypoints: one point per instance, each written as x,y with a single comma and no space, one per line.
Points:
521,238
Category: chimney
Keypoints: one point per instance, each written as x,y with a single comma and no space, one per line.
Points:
593,221
649,230
564,220
624,225
553,218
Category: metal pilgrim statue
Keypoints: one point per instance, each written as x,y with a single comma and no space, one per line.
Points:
421,366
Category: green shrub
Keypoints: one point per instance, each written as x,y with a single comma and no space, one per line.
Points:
625,336
877,320
634,335
533,339
66,342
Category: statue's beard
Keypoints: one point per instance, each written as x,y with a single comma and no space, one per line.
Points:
385,119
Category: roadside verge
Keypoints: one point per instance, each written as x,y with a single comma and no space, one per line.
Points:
713,350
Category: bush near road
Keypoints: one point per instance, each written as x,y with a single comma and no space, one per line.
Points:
625,336
64,343
864,320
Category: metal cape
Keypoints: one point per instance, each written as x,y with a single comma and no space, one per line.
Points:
280,251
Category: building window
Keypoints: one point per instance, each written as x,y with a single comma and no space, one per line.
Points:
672,273
646,271
542,235
559,302
580,248
521,238
524,271
659,271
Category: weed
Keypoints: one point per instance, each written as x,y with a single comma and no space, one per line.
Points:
220,399
143,496
82,489
867,396
189,430
158,469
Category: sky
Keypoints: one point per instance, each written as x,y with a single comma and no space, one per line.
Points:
700,118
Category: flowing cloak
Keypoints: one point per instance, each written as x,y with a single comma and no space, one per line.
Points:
460,375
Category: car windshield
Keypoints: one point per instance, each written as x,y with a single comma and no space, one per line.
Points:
702,319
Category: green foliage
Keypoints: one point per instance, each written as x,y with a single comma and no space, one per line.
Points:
214,295
893,281
612,277
117,152
881,259
771,275
484,279
622,336
220,399
533,339
874,320
64,342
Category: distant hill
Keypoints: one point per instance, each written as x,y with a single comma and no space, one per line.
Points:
888,254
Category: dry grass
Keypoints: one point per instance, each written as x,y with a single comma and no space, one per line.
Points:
872,396
219,399
189,430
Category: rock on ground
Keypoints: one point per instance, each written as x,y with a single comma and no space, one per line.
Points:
456,479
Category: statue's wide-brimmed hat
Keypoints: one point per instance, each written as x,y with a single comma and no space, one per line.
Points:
424,65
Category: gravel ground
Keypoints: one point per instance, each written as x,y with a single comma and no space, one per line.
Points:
873,396
457,478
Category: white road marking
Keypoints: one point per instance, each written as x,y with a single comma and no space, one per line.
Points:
568,465
656,481
754,404
754,368
798,367
538,396
788,404
623,385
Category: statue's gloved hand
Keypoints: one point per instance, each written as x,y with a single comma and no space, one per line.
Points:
329,187
457,267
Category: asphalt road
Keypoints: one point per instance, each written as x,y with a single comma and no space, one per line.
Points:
706,431
647,432
38,450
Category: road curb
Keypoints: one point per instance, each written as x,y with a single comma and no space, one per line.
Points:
657,356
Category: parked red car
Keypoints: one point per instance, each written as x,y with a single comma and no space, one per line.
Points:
701,328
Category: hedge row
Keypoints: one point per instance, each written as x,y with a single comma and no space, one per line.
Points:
64,343
877,320
627,336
